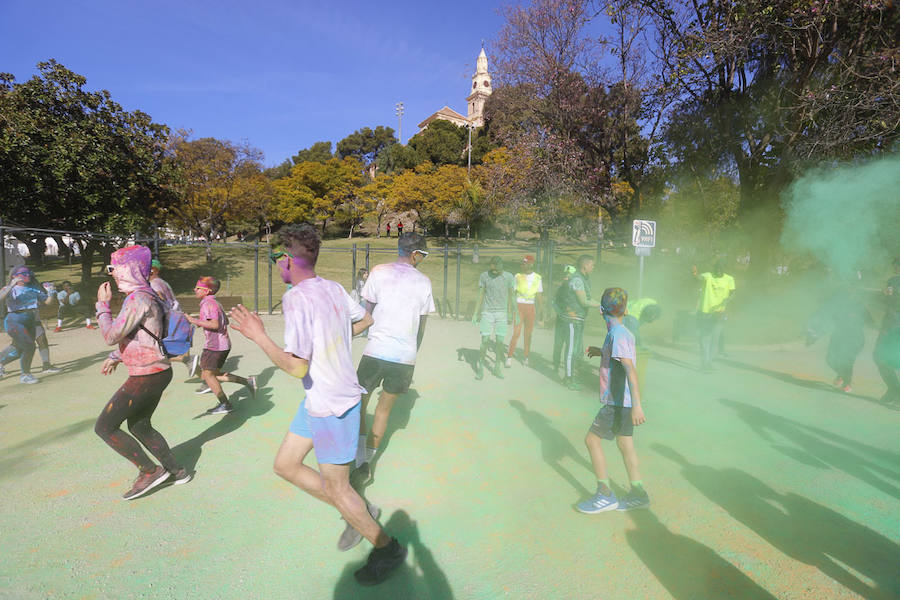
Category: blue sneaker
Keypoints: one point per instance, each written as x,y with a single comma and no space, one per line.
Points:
634,499
598,503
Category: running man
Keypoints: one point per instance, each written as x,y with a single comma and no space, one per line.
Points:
318,314
576,300
398,297
142,317
494,314
529,295
22,295
717,290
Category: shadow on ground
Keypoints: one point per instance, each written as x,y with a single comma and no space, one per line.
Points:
811,384
399,419
20,458
554,446
420,577
188,453
685,567
849,553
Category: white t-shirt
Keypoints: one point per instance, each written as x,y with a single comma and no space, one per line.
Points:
401,295
317,327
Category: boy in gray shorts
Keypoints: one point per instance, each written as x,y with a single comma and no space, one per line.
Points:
621,410
494,313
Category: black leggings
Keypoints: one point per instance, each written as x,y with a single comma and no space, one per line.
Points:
135,401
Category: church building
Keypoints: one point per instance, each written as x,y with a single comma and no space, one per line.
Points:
481,89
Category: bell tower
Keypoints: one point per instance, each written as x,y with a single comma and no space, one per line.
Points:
481,89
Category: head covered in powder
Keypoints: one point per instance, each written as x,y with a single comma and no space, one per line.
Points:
132,267
209,283
409,242
614,302
23,272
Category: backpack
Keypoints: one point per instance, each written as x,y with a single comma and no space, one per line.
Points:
179,332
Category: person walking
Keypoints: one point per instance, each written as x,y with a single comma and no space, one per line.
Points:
494,314
717,288
23,295
530,304
887,346
576,301
320,318
142,317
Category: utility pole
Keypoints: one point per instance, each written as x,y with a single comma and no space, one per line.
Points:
398,109
469,168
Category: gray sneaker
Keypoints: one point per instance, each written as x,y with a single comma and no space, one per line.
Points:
636,498
350,536
203,389
192,363
251,383
28,378
50,370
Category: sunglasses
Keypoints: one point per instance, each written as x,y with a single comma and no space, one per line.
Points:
422,252
110,269
275,256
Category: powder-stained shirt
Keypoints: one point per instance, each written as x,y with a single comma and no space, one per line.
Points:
614,388
318,314
528,286
216,339
497,289
138,350
401,295
165,293
715,291
24,297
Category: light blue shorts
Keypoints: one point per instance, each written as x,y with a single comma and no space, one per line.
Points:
334,438
494,322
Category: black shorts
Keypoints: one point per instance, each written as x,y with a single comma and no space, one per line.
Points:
213,360
393,377
612,421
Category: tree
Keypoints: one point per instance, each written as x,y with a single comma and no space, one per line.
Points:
318,152
397,157
365,144
378,194
442,143
315,191
73,159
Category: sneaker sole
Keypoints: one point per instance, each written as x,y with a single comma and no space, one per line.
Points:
156,483
206,391
594,511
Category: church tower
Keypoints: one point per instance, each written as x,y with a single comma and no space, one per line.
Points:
481,89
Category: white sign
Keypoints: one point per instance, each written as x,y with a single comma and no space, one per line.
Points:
643,234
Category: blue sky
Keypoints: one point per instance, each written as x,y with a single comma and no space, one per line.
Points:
280,75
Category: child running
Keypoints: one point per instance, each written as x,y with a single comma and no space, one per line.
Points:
214,323
318,314
621,410
149,372
23,294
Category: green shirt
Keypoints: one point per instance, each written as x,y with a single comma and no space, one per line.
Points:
496,291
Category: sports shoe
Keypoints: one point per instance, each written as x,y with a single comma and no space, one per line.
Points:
222,408
181,476
192,363
57,329
251,383
3,374
479,371
382,561
146,482
350,536
498,371
28,378
636,498
846,389
203,389
361,475
50,370
525,362
598,503
508,363
91,326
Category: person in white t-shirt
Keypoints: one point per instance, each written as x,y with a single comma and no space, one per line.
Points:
399,298
318,314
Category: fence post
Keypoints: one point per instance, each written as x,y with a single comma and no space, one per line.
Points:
353,271
256,277
269,263
458,264
446,259
2,252
156,241
549,267
367,256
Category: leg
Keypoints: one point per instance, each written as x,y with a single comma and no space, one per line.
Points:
526,312
629,456
570,349
232,378
594,445
379,423
517,329
119,408
289,466
139,421
704,324
336,480
211,378
559,339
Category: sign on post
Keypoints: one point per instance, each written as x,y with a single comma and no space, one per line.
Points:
643,234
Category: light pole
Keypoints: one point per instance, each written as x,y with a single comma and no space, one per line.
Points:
469,168
398,109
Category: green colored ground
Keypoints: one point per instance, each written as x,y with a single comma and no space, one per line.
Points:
764,483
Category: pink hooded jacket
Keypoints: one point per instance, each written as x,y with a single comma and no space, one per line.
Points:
137,348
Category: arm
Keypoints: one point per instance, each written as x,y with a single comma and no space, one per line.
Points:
421,335
363,324
5,290
581,295
203,323
511,312
129,318
251,326
539,303
637,411
478,303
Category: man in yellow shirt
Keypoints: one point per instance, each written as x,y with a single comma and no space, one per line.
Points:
716,291
529,290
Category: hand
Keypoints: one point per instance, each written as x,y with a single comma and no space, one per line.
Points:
109,365
104,292
593,351
246,322
637,416
16,280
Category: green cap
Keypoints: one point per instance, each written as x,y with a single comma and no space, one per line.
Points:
155,263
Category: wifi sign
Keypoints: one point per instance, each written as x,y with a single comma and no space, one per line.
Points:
643,234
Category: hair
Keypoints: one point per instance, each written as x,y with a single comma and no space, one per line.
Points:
362,271
719,264
651,313
211,283
409,242
302,240
614,301
66,283
583,260
497,261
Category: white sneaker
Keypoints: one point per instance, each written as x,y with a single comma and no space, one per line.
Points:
192,363
28,378
508,362
251,383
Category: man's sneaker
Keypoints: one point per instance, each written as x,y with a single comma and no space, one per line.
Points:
91,326
350,536
598,503
498,371
57,329
28,378
508,363
846,389
3,374
525,362
222,408
181,476
479,371
251,383
360,476
50,370
146,482
192,363
382,561
636,498
203,389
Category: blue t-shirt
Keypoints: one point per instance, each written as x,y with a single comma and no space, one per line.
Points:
23,297
614,389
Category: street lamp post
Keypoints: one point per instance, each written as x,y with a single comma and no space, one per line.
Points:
469,168
398,109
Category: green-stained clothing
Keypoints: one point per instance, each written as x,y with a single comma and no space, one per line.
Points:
497,289
715,292
636,307
572,308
